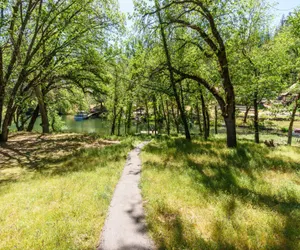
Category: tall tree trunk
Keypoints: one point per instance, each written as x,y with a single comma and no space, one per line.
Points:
231,130
119,121
7,122
43,110
199,118
246,114
230,119
19,119
113,124
34,116
168,118
216,119
53,123
155,115
256,124
207,122
137,124
2,88
114,119
165,115
147,117
128,120
172,79
290,133
175,118
204,113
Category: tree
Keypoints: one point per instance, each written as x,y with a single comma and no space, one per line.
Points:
47,30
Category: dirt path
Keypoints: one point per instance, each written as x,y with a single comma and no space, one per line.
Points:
125,227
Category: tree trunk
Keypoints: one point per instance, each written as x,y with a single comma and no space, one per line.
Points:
207,122
246,114
119,122
2,88
168,118
172,79
216,119
175,119
155,115
1,103
34,116
165,115
290,133
114,119
199,118
231,130
16,119
53,123
43,110
256,124
204,113
19,119
147,117
7,122
136,125
128,120
113,125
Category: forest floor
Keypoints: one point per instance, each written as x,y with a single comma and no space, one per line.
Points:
55,190
202,195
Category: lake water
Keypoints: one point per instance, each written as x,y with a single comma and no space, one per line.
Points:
99,126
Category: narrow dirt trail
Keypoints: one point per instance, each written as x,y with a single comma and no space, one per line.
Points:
125,227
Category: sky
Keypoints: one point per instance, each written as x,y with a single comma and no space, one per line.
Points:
283,7
126,6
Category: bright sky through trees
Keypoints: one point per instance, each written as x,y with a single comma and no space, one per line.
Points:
284,7
126,6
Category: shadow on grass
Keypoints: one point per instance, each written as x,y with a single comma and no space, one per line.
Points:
248,161
177,238
75,159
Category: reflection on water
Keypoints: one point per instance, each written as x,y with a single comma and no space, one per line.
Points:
86,126
98,126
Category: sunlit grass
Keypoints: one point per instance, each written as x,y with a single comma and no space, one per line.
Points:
263,136
63,204
202,195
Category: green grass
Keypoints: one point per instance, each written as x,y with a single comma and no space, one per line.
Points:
278,139
61,204
269,123
201,195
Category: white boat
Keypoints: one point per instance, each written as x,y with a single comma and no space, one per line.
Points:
82,115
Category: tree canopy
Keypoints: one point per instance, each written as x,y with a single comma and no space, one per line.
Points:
183,63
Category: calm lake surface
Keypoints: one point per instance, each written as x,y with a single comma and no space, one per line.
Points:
98,126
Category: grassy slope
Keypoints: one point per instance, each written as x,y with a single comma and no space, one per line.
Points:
62,205
202,195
